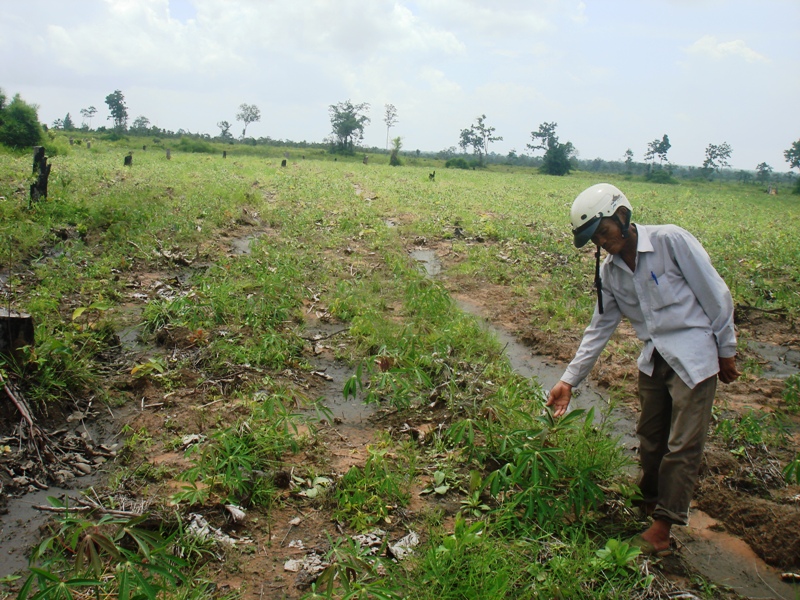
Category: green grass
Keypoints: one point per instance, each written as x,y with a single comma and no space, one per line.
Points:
532,490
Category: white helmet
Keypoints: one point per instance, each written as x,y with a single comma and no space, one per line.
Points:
591,205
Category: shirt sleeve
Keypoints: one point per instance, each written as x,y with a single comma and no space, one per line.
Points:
595,338
708,287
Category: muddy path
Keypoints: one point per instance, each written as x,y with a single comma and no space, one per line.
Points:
725,543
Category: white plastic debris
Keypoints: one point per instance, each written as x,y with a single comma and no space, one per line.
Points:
372,541
236,512
297,544
309,566
404,546
293,565
192,438
202,529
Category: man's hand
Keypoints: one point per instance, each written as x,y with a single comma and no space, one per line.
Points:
727,369
559,398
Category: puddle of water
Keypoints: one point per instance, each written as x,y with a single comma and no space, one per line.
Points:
429,260
729,561
242,245
782,362
352,411
20,527
130,338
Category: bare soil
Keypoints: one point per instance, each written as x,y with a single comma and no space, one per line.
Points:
741,498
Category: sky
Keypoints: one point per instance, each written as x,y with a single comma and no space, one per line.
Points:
613,74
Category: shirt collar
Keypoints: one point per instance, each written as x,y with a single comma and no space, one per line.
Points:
643,244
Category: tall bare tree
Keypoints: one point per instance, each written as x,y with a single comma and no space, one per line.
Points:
390,118
248,113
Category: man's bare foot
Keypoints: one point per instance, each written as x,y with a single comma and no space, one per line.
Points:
657,535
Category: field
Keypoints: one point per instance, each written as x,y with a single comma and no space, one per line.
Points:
318,347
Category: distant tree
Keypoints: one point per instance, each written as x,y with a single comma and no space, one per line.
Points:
225,130
763,172
390,118
545,138
486,134
69,125
88,113
792,155
248,113
140,125
658,149
629,161
717,157
469,139
743,176
348,122
119,111
793,158
19,123
394,157
478,136
556,160
58,123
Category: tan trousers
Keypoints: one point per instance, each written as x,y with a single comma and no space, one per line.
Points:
672,432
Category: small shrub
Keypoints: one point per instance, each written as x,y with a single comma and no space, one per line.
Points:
457,163
196,146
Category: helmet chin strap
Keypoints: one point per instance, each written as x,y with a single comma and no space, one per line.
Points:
598,283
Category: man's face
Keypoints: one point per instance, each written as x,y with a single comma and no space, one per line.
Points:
608,236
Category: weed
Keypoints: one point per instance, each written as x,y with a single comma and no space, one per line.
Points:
234,462
366,497
112,555
753,428
791,394
352,572
792,471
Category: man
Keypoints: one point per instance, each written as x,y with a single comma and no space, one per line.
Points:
662,280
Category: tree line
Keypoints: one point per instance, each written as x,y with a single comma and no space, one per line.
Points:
20,127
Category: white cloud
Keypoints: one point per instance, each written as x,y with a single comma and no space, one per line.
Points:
579,16
709,47
438,82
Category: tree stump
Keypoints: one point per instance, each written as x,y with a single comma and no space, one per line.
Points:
169,154
224,154
283,162
88,145
144,148
366,159
16,331
41,170
129,160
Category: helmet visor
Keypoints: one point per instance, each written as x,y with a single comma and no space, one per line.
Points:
585,232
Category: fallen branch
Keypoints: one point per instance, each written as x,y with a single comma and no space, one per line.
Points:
38,437
87,505
82,509
769,311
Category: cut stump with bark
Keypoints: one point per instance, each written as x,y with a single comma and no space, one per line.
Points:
16,331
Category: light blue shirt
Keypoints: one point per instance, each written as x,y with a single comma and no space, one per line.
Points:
676,302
